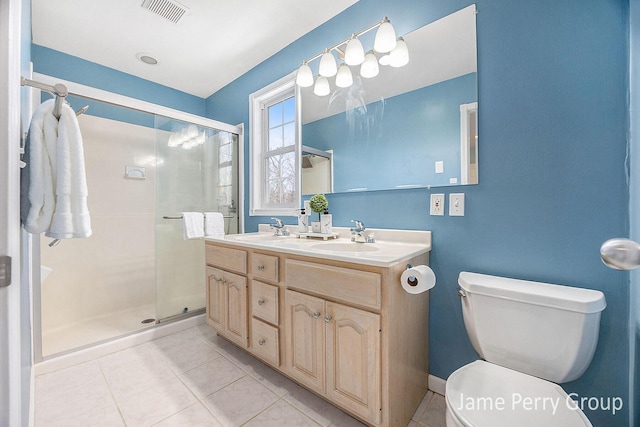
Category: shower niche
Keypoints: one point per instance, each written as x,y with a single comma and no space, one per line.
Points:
137,270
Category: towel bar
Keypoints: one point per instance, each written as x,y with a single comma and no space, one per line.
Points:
180,216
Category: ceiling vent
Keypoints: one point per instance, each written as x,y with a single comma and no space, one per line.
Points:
168,9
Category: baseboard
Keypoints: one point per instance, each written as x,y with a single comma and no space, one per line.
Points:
91,353
437,385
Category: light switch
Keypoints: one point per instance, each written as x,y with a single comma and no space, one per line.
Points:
456,204
440,166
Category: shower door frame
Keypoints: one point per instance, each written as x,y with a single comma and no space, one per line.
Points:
115,99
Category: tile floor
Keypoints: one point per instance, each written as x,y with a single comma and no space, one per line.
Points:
190,378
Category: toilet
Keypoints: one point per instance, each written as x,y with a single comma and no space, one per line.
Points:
530,336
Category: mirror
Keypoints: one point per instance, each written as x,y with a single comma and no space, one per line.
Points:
408,127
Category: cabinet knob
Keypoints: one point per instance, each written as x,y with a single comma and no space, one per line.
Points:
261,342
261,267
316,314
328,318
260,301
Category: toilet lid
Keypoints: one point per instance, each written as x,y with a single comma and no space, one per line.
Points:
485,394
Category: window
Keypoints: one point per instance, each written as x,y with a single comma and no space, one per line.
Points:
274,169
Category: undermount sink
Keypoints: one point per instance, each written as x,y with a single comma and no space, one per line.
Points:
345,247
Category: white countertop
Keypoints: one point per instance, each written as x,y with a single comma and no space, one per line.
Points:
390,247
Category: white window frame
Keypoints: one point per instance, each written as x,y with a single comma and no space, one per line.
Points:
258,103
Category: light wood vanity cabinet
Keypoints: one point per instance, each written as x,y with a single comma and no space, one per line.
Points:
227,304
334,349
346,331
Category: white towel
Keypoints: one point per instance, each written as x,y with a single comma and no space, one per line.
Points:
213,224
42,160
71,214
192,225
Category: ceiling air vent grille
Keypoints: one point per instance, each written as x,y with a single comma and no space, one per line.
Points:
168,9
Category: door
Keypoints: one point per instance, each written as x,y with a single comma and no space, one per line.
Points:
15,355
196,170
215,299
235,327
304,351
353,359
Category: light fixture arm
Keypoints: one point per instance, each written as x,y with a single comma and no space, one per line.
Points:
336,46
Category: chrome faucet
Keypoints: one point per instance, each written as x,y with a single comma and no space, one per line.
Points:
278,228
360,234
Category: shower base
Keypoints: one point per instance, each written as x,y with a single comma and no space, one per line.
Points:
75,335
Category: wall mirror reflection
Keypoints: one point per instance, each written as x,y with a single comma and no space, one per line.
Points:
408,127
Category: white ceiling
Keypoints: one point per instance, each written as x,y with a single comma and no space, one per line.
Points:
213,44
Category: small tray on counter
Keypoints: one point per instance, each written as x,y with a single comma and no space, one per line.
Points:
323,236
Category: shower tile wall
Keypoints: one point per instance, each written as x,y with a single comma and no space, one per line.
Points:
104,286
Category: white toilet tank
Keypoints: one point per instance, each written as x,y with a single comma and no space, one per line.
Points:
549,331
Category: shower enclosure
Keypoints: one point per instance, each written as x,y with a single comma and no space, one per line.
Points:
143,170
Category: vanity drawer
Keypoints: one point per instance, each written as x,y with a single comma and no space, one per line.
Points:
264,267
344,284
226,258
265,341
264,301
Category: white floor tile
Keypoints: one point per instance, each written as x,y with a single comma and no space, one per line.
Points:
212,376
281,414
237,403
131,371
156,403
195,415
160,383
68,394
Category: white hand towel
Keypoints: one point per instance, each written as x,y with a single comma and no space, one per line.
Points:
42,160
71,215
192,225
213,224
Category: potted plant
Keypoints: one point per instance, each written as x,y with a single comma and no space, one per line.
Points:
318,203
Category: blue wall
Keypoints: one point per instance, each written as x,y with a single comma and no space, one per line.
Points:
57,64
390,136
553,118
634,317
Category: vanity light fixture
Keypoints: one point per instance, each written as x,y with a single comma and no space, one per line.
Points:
322,86
328,67
344,77
369,67
392,51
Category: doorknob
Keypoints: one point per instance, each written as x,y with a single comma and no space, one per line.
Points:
620,254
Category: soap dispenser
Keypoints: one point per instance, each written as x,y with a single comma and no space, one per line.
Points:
303,222
325,222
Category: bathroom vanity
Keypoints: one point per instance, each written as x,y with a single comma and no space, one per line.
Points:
331,315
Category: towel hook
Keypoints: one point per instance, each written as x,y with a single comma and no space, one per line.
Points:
61,93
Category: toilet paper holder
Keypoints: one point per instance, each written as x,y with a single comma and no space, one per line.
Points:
411,280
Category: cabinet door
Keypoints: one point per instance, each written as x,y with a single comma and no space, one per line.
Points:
304,331
215,299
353,359
236,305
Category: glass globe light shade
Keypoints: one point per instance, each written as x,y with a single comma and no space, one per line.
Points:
304,77
385,59
369,67
322,86
354,53
385,40
328,66
344,77
400,55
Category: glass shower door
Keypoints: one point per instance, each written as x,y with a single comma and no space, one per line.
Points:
196,172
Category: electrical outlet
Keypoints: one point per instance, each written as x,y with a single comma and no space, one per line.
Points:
456,204
437,204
